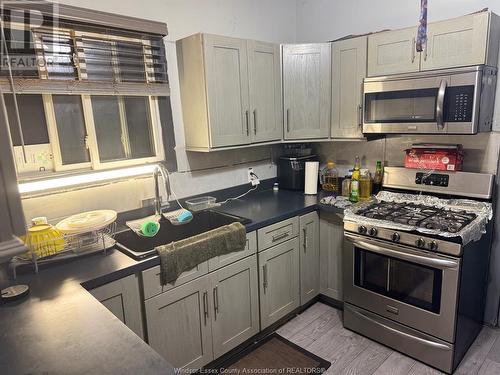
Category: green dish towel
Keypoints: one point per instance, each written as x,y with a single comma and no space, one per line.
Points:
184,255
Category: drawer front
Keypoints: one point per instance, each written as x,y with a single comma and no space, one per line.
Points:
151,279
277,233
224,260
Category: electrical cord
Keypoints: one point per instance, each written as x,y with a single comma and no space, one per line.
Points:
242,195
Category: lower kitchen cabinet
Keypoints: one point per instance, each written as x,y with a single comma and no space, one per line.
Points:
122,298
236,305
201,320
279,281
179,326
309,257
331,234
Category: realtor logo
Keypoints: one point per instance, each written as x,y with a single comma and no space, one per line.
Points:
21,51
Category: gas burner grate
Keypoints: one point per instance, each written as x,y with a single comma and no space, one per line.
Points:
419,215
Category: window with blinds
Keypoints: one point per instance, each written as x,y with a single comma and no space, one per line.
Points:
89,97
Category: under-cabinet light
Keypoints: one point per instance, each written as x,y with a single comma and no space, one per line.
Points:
82,179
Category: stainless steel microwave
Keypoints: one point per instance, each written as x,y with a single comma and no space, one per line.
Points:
451,101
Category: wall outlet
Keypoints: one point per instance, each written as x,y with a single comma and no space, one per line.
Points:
252,177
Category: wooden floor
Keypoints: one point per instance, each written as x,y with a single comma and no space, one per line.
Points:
319,329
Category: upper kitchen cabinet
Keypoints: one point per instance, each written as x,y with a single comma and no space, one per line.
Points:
462,41
306,90
230,91
348,72
468,40
265,91
393,52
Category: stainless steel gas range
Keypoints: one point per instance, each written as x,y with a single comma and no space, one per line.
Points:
416,265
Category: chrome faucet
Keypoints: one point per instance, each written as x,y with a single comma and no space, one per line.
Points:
158,172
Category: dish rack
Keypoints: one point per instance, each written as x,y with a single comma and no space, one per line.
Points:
74,246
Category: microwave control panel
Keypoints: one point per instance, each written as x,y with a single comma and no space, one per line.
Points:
459,103
434,179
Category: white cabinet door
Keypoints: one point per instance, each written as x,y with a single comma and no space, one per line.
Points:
279,281
235,316
392,52
123,299
226,73
265,91
309,257
306,90
457,42
331,230
179,324
348,70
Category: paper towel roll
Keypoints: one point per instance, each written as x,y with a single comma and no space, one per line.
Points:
311,177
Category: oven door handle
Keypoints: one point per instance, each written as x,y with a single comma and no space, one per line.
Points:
393,251
440,104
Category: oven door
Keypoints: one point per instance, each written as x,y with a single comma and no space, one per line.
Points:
413,287
441,104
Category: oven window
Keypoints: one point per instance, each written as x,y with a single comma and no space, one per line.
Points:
401,106
406,282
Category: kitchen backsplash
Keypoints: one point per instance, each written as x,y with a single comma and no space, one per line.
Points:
481,151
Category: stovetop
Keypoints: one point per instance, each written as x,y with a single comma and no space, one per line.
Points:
419,215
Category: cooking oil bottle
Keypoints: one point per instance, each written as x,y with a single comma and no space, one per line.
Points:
365,185
354,193
329,178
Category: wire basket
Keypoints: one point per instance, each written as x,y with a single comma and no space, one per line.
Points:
65,247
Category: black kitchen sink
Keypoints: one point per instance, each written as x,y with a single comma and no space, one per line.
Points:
139,247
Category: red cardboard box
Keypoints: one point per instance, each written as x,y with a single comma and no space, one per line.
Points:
449,158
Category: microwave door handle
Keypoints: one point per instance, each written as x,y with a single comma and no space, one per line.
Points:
440,104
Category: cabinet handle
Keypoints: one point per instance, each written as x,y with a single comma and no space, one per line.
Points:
246,119
360,115
413,48
205,306
305,239
287,120
264,274
216,301
255,121
278,237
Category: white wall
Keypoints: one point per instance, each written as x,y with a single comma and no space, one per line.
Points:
273,21
325,20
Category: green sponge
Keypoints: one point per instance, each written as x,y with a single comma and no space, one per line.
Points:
150,228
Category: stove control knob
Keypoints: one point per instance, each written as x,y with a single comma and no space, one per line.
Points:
362,229
433,246
420,242
396,237
372,232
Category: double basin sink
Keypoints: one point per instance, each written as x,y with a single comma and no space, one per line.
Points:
139,247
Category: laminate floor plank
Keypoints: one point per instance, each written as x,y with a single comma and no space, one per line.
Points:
303,319
489,367
478,352
396,364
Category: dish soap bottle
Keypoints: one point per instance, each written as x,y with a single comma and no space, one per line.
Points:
329,178
377,179
354,192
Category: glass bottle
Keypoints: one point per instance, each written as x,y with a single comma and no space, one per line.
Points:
365,185
354,193
377,179
329,178
346,184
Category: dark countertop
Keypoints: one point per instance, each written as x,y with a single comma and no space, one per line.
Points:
60,328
